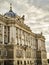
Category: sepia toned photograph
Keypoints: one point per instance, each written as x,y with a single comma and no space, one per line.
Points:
24,32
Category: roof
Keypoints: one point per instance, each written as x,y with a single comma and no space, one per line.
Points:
10,13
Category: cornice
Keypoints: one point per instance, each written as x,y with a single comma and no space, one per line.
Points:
39,36
33,34
15,21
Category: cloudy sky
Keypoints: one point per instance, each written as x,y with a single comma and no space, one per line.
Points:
36,14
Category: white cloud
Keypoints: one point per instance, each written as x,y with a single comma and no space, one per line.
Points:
48,55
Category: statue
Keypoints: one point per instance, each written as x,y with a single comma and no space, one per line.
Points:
23,17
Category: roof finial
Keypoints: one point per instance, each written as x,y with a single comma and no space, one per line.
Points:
10,6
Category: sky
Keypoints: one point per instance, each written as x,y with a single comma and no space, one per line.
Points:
36,15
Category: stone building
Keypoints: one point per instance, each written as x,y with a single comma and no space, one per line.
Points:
18,44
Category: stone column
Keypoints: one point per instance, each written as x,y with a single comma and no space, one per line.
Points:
12,34
17,37
24,53
3,34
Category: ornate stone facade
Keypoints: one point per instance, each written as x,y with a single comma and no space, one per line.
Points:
18,44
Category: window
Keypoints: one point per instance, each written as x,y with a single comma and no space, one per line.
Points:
18,62
0,39
0,63
21,62
24,62
28,54
5,40
0,52
5,34
5,52
19,41
28,62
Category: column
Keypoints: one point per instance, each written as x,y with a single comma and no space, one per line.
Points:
24,52
12,34
3,34
17,37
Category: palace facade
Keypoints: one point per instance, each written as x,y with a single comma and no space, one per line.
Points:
18,44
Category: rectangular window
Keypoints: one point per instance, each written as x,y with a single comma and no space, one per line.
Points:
28,62
5,53
0,39
5,34
18,62
0,52
21,62
19,41
24,62
0,63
